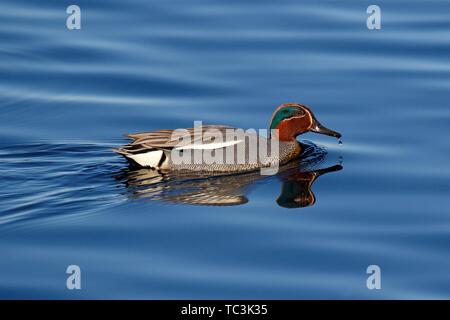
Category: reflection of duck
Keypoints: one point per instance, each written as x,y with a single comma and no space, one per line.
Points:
226,190
158,149
296,187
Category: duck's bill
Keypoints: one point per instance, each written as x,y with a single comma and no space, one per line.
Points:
336,167
324,130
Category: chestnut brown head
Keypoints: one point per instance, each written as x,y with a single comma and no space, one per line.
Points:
293,119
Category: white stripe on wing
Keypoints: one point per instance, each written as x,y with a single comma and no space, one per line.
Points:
209,146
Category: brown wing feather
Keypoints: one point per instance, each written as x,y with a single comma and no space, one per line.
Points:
139,135
163,139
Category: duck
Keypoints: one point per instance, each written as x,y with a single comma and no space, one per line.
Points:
163,149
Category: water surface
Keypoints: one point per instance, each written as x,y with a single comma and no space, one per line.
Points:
66,98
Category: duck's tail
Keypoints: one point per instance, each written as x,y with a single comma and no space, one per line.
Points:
152,158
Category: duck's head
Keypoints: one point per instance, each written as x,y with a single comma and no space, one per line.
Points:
293,119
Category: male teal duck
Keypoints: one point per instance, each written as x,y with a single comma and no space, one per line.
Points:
155,149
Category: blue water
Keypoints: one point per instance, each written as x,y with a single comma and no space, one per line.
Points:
66,98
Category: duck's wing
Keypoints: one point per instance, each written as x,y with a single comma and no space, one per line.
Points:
149,149
179,137
169,139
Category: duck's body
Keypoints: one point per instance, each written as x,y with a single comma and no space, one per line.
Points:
154,150
163,149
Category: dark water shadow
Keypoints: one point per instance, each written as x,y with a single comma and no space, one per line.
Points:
50,180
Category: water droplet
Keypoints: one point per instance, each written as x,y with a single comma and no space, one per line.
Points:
340,141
